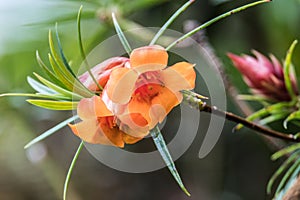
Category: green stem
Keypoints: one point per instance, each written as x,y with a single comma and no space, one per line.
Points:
67,180
171,19
83,55
192,32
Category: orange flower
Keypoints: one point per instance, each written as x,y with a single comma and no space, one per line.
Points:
138,93
147,87
98,125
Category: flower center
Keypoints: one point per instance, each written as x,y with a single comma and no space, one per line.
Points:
148,86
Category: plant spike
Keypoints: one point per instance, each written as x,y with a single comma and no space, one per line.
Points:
286,70
121,35
164,152
67,180
50,131
170,20
82,52
236,10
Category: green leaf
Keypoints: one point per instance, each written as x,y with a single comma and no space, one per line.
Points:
37,95
293,116
273,118
278,108
78,86
121,35
170,20
280,170
59,62
164,152
285,151
262,100
40,87
82,52
58,89
286,176
210,22
49,73
67,180
286,70
50,131
67,84
54,105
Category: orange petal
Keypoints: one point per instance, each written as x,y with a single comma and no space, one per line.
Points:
149,58
121,84
114,134
137,105
179,76
128,139
134,124
88,131
163,103
89,108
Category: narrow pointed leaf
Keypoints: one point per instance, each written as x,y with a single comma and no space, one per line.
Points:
170,20
40,87
121,35
210,22
280,170
51,131
37,95
286,70
49,73
285,151
67,84
74,160
78,86
273,118
58,89
54,105
82,52
286,176
292,116
58,60
164,152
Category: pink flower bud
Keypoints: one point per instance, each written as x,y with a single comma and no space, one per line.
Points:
264,76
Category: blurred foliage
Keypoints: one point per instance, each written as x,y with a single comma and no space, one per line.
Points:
238,167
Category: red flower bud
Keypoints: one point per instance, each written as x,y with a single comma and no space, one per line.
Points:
264,76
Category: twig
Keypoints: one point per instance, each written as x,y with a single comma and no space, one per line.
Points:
197,103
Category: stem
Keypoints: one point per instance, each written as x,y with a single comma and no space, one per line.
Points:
168,23
71,170
192,32
196,103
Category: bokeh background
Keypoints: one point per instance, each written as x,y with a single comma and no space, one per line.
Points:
239,166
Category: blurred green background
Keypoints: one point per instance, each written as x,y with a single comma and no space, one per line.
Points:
239,166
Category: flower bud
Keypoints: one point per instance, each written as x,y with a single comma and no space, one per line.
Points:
264,76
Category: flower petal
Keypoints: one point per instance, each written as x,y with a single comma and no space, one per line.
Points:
148,58
121,84
179,76
134,124
128,139
163,103
88,131
89,108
